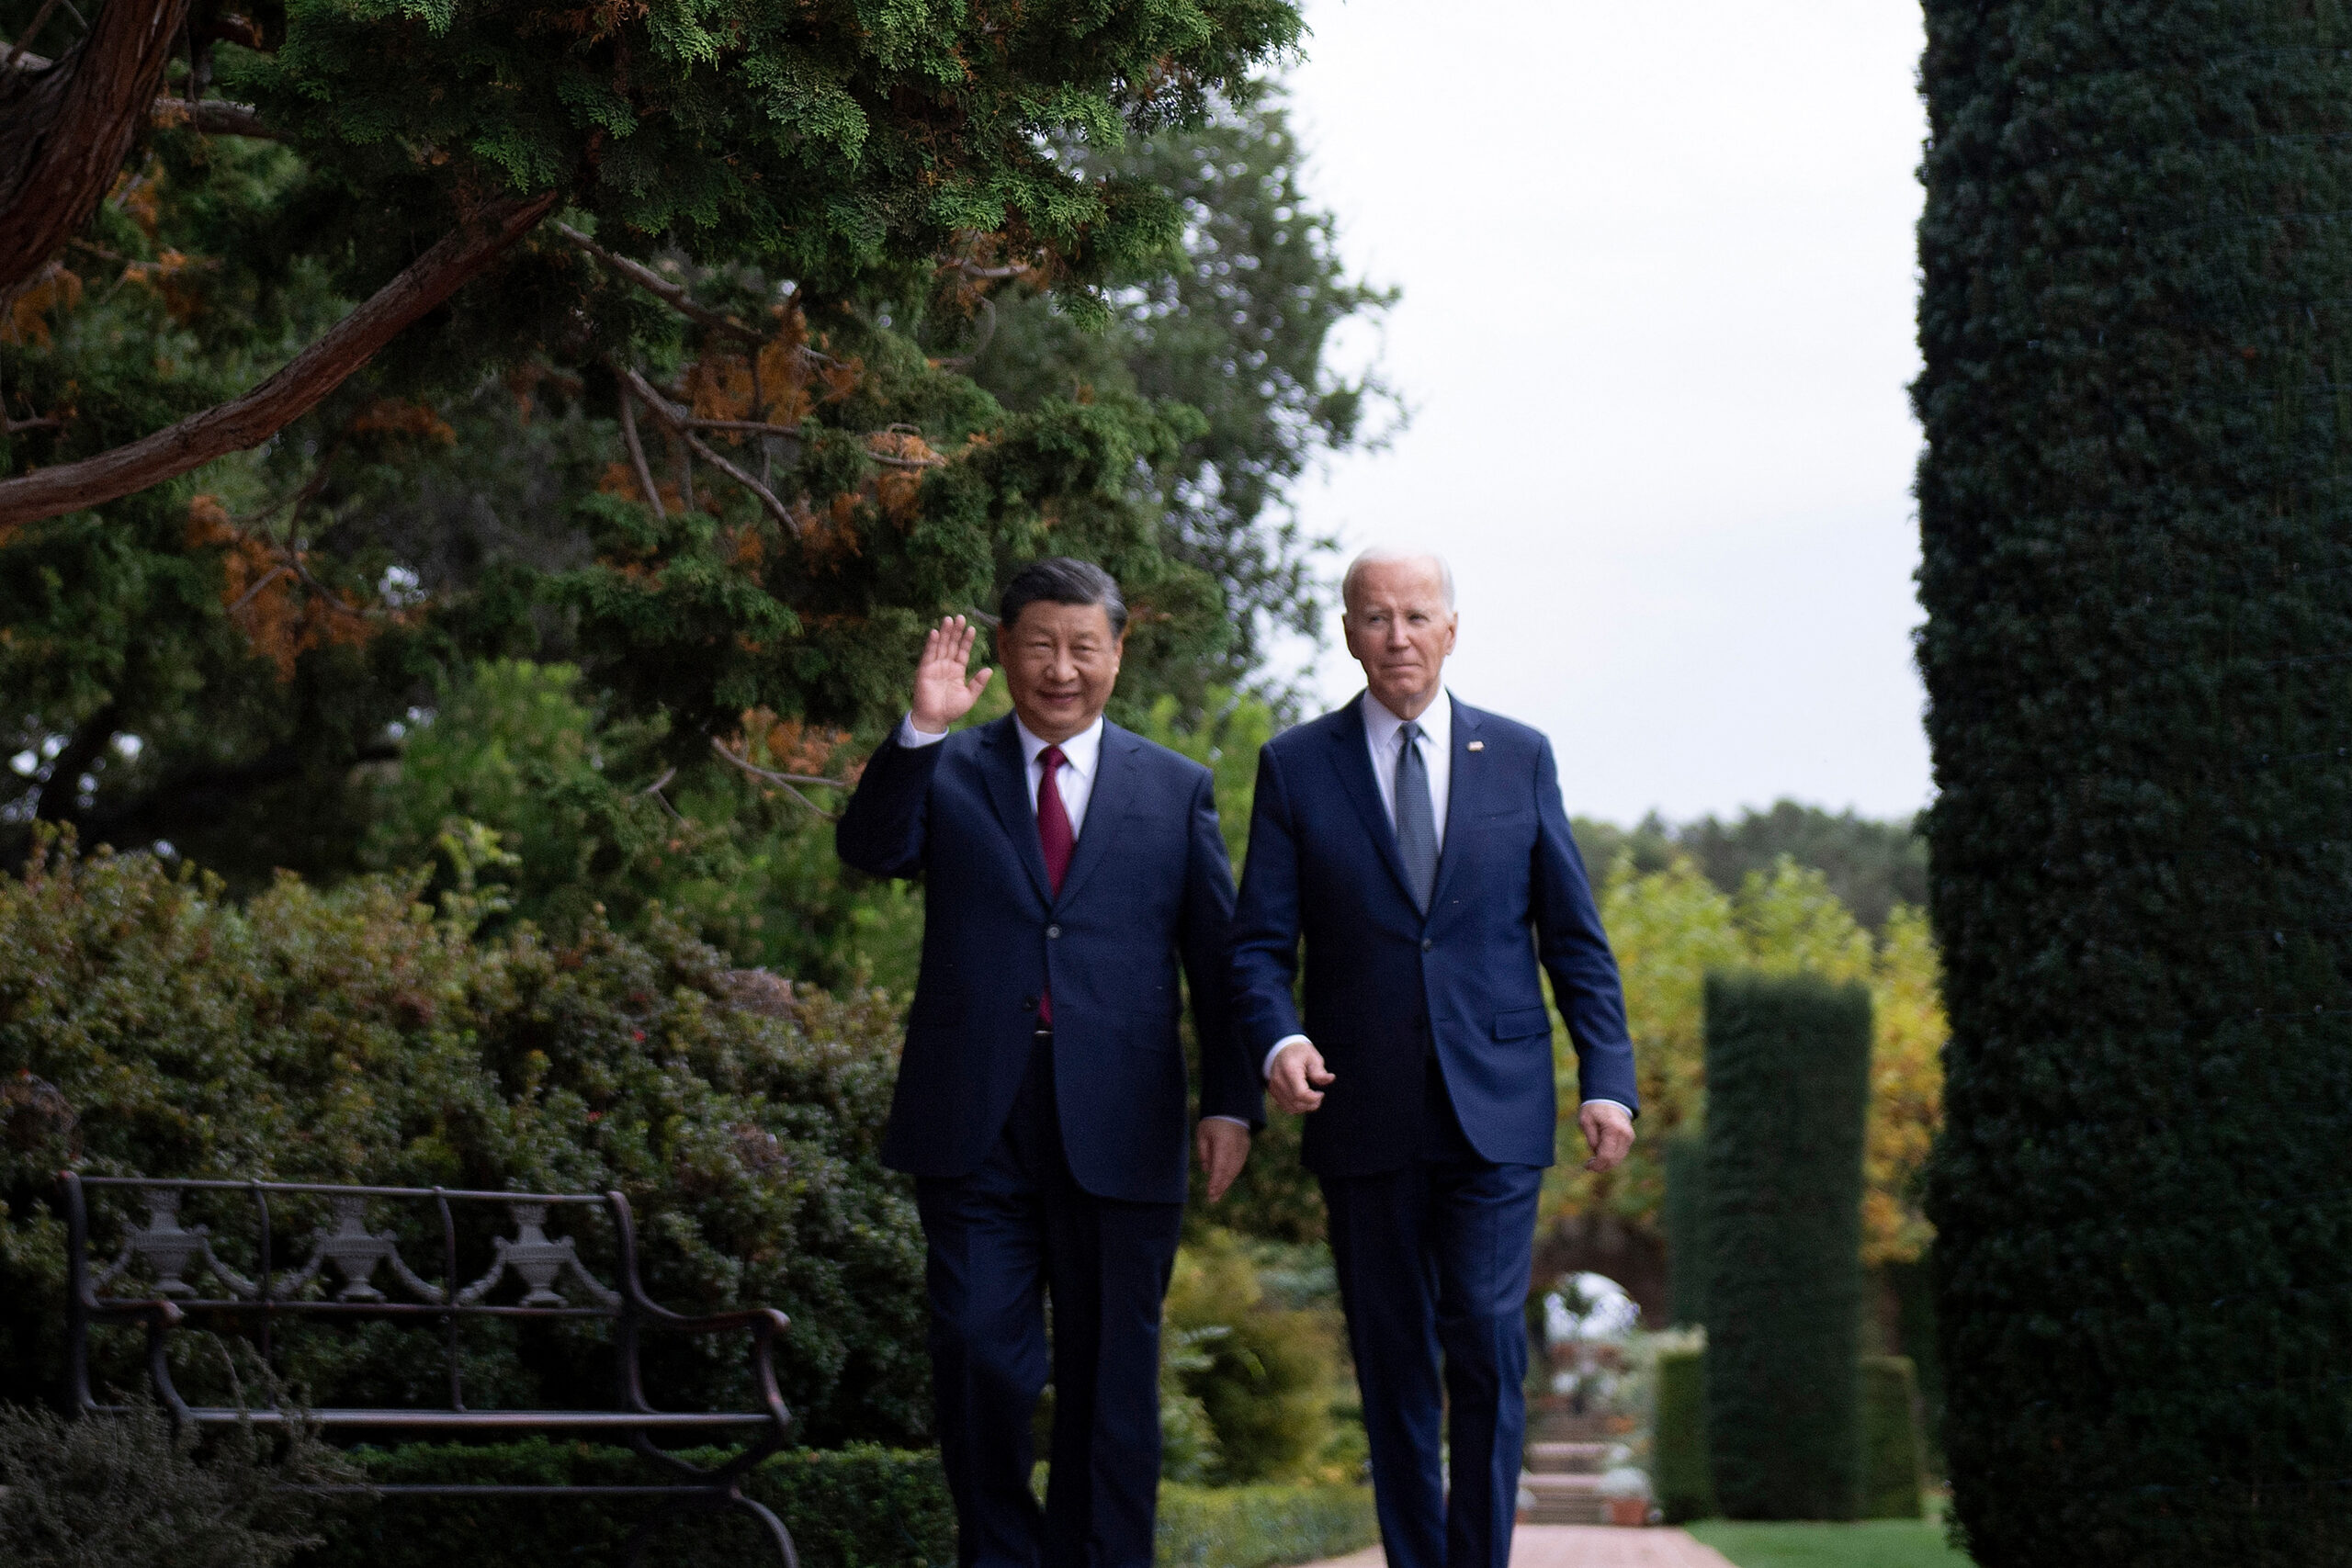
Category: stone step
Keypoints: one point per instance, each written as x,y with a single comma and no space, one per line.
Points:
1564,1500
1568,1459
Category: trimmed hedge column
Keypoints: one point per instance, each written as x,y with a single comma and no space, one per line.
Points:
2136,513
1788,1086
1686,1228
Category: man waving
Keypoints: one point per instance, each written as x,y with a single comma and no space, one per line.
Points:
1070,868
1420,850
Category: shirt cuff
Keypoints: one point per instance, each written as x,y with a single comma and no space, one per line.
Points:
1234,1120
1618,1103
911,738
1266,1067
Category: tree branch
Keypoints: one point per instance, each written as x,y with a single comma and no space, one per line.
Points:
66,130
783,781
676,425
310,375
653,283
637,457
212,117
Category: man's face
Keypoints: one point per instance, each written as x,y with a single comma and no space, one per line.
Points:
1060,662
1400,631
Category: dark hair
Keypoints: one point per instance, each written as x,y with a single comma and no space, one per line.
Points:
1058,579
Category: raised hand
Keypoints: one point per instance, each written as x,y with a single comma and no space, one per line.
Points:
942,693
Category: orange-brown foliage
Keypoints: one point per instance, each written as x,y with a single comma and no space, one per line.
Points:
283,613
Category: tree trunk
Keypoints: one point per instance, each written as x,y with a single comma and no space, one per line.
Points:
65,129
310,375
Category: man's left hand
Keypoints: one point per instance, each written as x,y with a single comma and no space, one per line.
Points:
1608,1132
1223,1147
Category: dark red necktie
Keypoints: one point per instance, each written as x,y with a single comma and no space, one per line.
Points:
1054,837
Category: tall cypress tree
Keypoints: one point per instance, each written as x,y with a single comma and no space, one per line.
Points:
2136,506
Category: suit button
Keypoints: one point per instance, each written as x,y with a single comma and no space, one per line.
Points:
1426,945
1053,930
1028,1004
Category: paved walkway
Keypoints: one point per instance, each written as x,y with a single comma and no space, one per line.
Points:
1583,1546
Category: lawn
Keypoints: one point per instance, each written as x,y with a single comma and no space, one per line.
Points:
1877,1543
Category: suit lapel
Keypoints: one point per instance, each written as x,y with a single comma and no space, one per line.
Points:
1351,756
1466,778
1107,803
1008,779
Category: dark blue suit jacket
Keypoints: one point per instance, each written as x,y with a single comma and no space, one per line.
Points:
1511,891
1148,886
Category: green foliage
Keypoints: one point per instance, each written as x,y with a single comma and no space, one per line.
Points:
352,1035
1873,867
1263,1373
859,1506
1683,1472
1890,1447
1684,1220
2132,513
128,1492
1788,1085
1259,1526
1876,1544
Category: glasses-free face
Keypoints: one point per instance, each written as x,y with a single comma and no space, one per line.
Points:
1060,662
1400,630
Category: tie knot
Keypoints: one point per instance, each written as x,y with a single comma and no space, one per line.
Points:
1410,731
1052,758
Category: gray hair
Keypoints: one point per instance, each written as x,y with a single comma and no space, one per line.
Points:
1390,555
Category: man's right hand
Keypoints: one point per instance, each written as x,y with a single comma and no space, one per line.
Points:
943,694
1299,1078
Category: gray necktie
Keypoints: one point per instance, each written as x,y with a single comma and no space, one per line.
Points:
1416,821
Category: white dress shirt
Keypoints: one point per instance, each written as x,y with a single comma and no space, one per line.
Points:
1384,738
1081,753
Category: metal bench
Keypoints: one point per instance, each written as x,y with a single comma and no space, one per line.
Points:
352,1272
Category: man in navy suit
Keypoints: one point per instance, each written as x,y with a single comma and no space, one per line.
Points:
1419,848
1069,869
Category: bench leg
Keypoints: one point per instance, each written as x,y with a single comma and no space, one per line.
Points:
717,1503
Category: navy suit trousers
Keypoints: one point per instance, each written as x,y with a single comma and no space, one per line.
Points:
1433,1261
1001,1240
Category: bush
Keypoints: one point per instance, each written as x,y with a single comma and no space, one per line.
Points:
854,1507
355,1035
1788,1086
1264,1374
2132,514
1256,1527
128,1491
1678,1459
1890,1447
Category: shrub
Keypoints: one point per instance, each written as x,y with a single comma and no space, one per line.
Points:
1678,1459
1264,1374
355,1035
1788,1086
1256,1527
2133,511
128,1491
1891,1446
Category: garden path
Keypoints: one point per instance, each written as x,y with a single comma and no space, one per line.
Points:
1583,1546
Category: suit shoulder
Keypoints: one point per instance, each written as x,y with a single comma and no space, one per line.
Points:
1314,732
1163,759
1505,734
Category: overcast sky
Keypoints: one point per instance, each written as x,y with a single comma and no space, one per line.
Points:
1656,325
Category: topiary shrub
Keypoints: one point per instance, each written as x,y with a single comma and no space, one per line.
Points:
1891,1446
357,1035
1788,1086
1685,1218
1681,1469
2135,511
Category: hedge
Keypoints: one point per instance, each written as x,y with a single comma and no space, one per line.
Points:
1685,1220
1788,1086
856,1507
1891,1448
1681,1469
2135,511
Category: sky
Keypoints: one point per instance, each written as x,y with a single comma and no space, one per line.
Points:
1657,277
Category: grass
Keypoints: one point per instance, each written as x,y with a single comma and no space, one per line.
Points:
1875,1543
